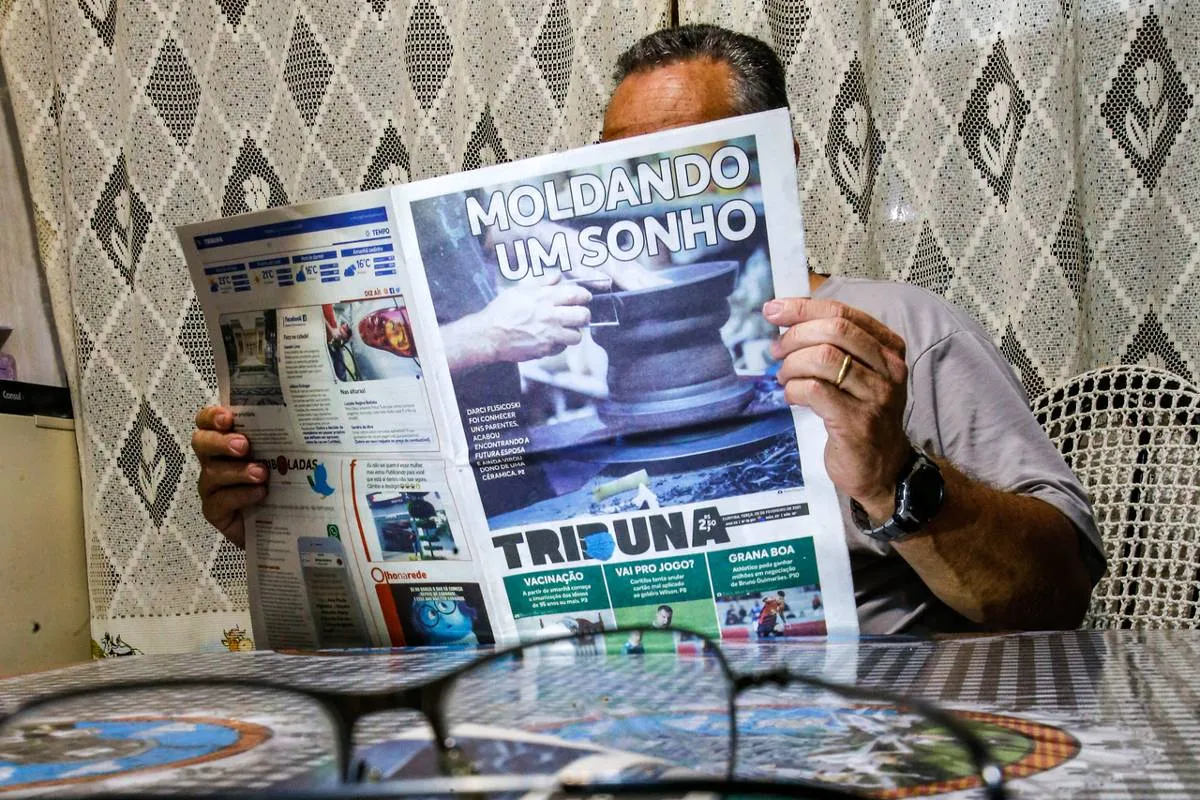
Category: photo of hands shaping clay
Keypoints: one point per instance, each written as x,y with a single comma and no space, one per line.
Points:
604,335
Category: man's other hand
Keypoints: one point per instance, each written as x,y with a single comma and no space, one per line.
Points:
229,481
864,415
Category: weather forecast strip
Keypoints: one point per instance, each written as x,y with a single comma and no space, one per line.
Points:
533,398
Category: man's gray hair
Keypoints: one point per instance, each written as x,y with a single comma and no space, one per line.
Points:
759,80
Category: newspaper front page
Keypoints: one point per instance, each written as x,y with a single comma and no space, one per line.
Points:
530,399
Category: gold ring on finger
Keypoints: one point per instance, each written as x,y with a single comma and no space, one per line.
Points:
844,371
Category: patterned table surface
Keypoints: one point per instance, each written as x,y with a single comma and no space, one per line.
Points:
1118,711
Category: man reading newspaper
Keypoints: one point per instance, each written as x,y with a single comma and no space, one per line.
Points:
959,513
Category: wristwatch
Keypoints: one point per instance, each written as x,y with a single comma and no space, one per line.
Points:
919,494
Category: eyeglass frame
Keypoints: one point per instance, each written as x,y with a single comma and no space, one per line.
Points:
428,699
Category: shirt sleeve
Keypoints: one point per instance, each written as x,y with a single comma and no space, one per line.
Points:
966,405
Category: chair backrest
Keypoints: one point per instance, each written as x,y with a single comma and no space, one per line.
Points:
1132,435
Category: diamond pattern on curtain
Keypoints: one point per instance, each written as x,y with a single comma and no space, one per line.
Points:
1035,163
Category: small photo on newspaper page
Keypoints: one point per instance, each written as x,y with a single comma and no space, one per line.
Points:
251,339
406,514
447,613
370,339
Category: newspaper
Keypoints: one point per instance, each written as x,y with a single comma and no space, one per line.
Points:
530,399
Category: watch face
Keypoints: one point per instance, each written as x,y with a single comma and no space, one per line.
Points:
918,497
925,490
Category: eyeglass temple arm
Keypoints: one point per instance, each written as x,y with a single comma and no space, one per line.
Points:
986,767
347,709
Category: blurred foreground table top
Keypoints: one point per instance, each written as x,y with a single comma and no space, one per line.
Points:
1083,714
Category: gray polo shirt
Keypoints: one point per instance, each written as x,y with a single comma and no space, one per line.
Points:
965,404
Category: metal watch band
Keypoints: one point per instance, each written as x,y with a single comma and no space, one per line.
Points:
919,494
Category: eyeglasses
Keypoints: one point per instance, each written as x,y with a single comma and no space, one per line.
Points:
617,712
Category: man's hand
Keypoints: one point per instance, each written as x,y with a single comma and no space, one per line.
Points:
864,416
1003,560
229,481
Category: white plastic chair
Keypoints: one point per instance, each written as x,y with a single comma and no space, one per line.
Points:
1132,435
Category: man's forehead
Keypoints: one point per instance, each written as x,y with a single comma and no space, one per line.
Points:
670,96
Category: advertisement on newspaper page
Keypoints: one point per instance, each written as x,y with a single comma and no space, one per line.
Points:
532,399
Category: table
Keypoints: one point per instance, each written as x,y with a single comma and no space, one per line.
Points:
1082,714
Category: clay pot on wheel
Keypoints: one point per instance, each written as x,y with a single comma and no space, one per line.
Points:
667,365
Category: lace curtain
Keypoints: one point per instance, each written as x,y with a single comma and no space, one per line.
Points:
1033,162
135,117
